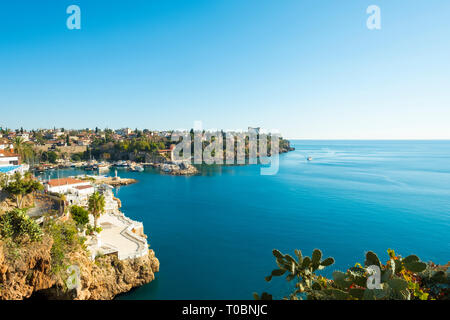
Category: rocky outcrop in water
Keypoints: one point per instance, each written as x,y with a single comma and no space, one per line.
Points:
178,168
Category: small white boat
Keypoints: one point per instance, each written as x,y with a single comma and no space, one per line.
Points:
121,164
309,158
103,167
137,168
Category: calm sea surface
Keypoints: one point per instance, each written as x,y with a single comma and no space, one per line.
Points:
214,233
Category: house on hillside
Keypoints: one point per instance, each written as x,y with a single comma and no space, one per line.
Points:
10,162
124,131
5,144
168,153
25,136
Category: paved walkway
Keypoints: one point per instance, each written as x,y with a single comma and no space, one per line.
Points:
117,235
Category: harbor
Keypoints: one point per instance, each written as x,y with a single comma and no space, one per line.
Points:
169,167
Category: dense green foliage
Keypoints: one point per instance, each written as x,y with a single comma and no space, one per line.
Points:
50,156
77,157
65,240
79,215
109,149
400,278
90,230
19,227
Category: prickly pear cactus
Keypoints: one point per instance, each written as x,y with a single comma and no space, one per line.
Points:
400,278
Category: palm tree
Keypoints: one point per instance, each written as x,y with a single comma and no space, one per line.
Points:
18,143
22,149
96,206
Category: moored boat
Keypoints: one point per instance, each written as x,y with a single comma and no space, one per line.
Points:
103,167
137,168
121,164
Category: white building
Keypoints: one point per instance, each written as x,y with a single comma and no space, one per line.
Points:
8,158
124,131
5,145
83,141
10,162
256,130
79,195
25,136
66,185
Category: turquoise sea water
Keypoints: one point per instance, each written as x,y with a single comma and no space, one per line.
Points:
214,233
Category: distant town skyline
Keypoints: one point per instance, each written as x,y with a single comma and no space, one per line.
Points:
168,130
309,70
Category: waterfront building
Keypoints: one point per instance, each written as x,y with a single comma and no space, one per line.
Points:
64,185
10,162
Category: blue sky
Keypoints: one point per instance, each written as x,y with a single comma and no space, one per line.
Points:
310,69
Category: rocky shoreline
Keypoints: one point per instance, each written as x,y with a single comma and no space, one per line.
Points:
185,168
117,182
178,168
102,279
39,269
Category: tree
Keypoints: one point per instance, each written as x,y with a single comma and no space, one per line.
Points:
76,157
96,206
18,143
80,215
39,138
20,187
52,156
3,180
25,152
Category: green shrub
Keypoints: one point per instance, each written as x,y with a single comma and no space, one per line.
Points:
65,240
91,229
76,157
17,225
80,215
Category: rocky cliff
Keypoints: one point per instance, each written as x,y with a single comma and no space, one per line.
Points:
26,272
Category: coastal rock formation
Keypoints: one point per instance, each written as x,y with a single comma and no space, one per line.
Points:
285,146
110,276
179,168
116,182
26,272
